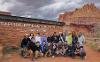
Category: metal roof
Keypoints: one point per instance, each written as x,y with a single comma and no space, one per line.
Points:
29,20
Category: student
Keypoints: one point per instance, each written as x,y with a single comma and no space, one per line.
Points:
64,48
77,52
59,48
33,39
32,46
31,35
70,48
52,38
37,50
25,46
49,39
49,49
25,41
44,39
38,38
55,38
82,53
66,36
69,39
74,40
81,39
53,50
44,49
61,37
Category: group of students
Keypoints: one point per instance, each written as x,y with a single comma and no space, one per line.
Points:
69,44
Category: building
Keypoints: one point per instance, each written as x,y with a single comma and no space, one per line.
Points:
13,28
5,13
85,19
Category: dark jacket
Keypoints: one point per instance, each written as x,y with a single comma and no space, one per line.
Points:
25,42
74,39
55,38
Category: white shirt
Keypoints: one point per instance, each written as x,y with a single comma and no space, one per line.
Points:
66,38
33,40
30,37
81,40
38,38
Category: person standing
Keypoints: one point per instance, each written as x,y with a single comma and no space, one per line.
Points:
69,39
25,45
66,37
44,39
70,48
25,41
31,35
61,37
49,39
81,39
38,38
32,46
44,44
74,40
55,38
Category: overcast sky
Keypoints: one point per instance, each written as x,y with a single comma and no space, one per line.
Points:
42,9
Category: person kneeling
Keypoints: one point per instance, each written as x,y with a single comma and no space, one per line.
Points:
44,49
37,50
53,50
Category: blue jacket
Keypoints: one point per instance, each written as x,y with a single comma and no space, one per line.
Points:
44,39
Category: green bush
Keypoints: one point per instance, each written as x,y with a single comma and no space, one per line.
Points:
9,50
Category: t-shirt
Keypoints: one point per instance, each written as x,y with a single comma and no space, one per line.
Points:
38,38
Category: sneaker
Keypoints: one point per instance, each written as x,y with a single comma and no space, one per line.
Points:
53,56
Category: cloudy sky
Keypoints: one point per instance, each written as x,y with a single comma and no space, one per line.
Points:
42,9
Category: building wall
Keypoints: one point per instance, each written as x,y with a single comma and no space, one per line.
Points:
13,32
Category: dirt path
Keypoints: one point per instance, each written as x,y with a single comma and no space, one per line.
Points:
92,56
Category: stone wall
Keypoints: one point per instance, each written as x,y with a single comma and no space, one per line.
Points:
13,32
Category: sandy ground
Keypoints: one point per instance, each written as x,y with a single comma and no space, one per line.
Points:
92,56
